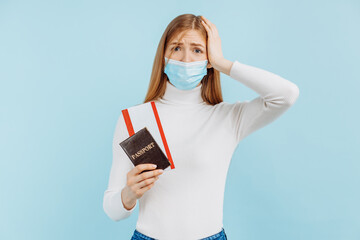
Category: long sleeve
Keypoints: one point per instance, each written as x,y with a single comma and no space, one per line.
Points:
276,96
121,165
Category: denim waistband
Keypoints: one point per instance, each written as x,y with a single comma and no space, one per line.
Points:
139,235
220,235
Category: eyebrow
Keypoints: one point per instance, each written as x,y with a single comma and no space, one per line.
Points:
192,44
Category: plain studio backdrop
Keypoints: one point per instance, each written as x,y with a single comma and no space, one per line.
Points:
68,68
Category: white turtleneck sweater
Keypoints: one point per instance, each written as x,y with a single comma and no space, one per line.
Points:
186,203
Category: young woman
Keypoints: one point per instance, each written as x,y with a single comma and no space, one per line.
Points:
202,132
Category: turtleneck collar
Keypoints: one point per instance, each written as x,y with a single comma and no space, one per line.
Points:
175,95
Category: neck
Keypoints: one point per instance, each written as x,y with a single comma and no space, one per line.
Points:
175,95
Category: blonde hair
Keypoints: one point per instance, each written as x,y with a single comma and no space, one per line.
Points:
211,86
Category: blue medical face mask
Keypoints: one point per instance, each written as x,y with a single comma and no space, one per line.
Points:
185,75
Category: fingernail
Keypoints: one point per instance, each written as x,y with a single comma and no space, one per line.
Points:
160,171
154,166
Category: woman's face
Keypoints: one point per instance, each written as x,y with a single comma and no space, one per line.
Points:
192,48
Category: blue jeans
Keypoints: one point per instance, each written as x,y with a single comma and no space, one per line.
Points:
217,236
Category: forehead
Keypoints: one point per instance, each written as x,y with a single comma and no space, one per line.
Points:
189,37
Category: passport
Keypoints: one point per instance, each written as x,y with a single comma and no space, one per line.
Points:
142,148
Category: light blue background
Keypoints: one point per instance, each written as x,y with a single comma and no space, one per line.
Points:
67,68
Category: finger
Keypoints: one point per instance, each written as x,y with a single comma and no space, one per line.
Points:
204,24
144,189
204,21
210,24
147,175
141,167
208,30
145,183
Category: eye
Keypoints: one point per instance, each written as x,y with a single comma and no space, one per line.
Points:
174,48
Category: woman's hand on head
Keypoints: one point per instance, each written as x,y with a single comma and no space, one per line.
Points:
214,51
